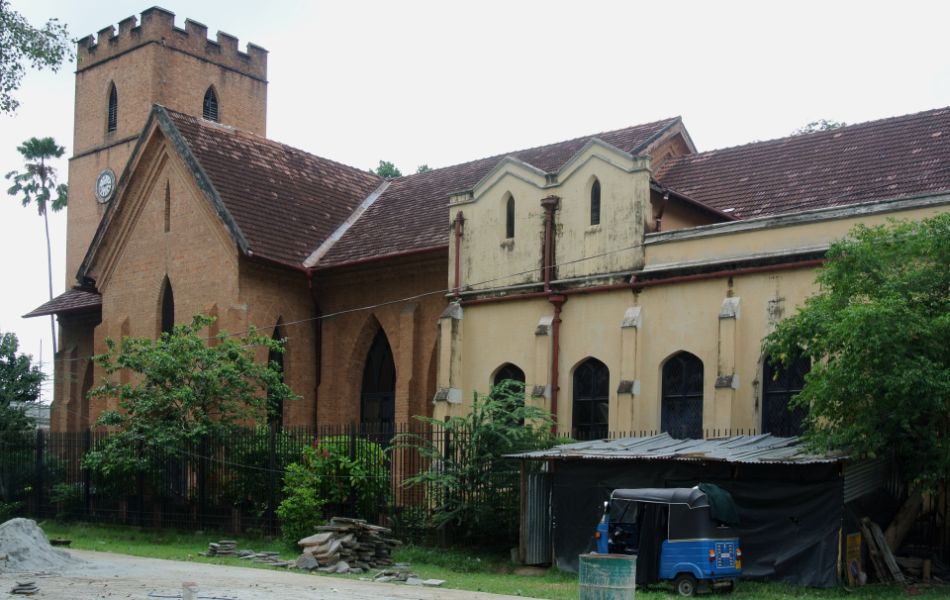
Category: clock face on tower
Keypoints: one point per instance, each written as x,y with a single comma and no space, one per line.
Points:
105,185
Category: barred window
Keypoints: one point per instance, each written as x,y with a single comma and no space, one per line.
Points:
112,121
779,386
682,403
209,109
591,400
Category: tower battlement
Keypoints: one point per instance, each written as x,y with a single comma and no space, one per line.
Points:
158,27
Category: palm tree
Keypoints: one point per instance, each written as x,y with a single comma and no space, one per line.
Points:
37,184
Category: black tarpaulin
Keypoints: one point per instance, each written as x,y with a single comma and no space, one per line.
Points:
789,515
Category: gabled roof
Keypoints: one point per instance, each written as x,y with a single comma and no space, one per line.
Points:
71,301
277,202
413,214
285,201
889,158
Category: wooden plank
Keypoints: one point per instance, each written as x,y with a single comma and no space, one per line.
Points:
886,553
883,574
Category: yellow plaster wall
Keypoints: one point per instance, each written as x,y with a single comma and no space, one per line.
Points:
489,260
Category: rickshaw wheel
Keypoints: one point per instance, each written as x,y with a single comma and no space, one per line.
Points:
685,585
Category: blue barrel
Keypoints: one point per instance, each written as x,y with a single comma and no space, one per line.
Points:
607,576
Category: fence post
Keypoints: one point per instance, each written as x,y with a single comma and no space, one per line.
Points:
86,475
39,472
202,479
271,479
351,497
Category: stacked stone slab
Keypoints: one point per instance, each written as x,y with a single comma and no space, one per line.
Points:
347,546
222,548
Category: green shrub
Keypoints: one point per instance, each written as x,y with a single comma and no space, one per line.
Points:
301,510
352,475
474,490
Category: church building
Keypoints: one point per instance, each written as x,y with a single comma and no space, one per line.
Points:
627,278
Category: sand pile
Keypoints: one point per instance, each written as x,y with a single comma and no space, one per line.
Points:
24,548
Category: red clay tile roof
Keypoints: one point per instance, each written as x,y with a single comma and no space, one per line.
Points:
413,214
70,301
890,158
284,201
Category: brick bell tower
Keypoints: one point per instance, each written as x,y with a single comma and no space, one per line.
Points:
119,76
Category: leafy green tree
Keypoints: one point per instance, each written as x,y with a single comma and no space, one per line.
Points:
476,489
22,44
819,125
423,169
387,170
877,335
20,383
37,185
184,387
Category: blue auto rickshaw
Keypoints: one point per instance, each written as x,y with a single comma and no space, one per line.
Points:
683,535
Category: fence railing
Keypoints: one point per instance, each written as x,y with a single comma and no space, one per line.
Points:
235,482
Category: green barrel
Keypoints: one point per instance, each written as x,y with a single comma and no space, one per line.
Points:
607,576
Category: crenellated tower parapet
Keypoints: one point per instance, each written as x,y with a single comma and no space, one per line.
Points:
158,27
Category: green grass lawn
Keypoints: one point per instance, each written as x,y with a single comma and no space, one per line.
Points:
461,569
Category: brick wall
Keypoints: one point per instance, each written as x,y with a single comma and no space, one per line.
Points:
409,326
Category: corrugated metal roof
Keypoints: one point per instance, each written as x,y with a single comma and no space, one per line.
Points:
750,449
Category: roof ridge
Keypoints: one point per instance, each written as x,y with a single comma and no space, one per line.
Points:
813,134
668,122
266,140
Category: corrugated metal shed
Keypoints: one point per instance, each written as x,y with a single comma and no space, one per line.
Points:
749,449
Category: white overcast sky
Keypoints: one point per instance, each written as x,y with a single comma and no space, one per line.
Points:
442,82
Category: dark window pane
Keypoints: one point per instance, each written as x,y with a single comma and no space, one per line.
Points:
168,308
595,203
778,389
591,399
682,397
510,218
209,108
377,405
112,121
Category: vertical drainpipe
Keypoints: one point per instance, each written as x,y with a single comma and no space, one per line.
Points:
456,288
550,204
318,345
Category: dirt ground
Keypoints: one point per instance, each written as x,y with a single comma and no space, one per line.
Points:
105,575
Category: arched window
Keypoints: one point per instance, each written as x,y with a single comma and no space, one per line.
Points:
275,406
510,218
168,208
595,203
510,372
378,395
682,405
168,307
778,389
112,121
591,398
209,108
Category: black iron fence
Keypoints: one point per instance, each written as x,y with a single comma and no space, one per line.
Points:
236,482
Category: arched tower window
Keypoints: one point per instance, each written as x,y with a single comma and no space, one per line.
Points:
275,406
168,308
595,203
591,400
681,411
510,218
112,120
778,388
209,108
